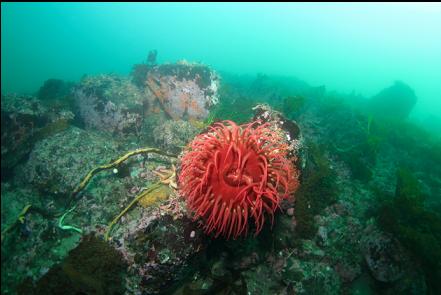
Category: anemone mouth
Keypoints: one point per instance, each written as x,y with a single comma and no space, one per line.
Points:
233,174
237,178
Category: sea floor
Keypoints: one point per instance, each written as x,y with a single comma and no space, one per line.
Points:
364,219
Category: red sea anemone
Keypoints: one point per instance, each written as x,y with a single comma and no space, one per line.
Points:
233,174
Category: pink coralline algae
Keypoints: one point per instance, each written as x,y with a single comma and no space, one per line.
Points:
183,90
110,103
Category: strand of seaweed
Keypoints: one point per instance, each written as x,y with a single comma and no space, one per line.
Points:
83,184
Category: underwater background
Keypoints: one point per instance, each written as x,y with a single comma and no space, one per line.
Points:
105,107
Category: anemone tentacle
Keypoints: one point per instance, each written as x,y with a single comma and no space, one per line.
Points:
233,174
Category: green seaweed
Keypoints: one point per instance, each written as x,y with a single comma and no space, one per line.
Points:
93,267
359,166
291,105
318,190
233,107
63,226
139,74
417,228
57,94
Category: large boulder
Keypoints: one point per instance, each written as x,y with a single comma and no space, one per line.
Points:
25,121
396,101
182,90
384,255
55,89
111,104
57,164
169,135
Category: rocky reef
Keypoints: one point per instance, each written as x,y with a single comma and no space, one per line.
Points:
183,90
395,101
119,105
25,121
110,103
93,203
55,163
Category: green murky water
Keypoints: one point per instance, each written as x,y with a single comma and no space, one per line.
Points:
351,94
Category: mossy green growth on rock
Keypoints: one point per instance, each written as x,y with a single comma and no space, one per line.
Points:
396,101
416,142
291,105
93,267
161,251
361,159
418,229
232,106
56,93
317,190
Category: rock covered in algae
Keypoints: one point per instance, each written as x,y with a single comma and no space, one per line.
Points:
169,135
183,90
93,267
55,90
57,164
110,103
25,120
396,101
384,256
311,277
35,243
161,254
290,129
